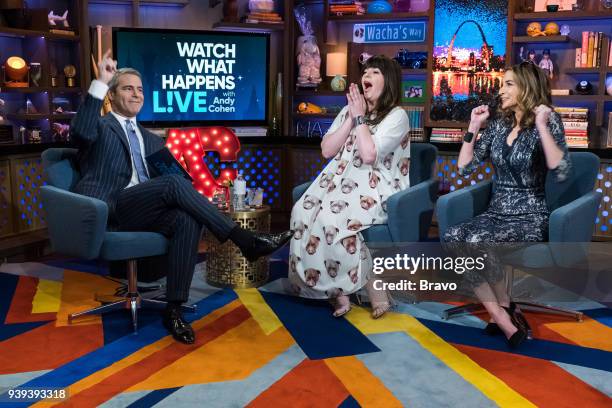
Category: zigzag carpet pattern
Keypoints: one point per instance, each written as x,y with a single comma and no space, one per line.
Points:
262,348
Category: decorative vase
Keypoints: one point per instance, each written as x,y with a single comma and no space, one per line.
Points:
338,83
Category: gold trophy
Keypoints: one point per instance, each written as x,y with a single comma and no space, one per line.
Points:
53,72
70,73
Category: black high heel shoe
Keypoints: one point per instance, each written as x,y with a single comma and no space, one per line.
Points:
521,333
492,328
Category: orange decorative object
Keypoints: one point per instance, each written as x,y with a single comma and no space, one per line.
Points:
308,107
191,144
535,30
551,29
16,72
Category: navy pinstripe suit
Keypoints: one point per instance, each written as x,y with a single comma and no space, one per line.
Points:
166,204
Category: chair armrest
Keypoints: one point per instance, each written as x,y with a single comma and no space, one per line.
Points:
76,223
410,211
573,222
462,205
299,191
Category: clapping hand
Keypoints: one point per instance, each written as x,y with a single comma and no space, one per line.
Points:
356,102
106,67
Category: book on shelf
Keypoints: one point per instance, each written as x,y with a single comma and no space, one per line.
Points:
610,54
580,143
559,92
261,21
600,37
578,63
415,119
590,50
595,43
574,124
444,135
568,109
584,49
346,8
62,31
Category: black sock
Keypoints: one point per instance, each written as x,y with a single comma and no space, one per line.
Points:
241,237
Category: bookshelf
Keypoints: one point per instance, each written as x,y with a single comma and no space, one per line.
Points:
32,107
593,17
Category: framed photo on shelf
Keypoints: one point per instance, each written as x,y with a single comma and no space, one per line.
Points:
564,5
413,91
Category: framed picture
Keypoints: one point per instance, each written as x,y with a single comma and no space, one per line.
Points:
540,5
413,91
469,56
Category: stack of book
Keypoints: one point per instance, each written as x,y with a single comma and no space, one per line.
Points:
415,118
444,135
345,8
264,17
590,52
576,124
249,131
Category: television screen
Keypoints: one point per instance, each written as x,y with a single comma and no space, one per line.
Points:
197,77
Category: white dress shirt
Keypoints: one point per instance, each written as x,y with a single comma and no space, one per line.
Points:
98,90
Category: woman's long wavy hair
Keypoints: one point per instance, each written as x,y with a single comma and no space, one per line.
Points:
390,96
534,90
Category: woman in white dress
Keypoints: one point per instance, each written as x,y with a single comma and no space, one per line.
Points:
370,145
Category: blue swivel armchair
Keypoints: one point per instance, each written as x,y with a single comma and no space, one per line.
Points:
77,227
409,211
573,208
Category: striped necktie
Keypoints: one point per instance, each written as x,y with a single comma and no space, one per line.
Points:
141,169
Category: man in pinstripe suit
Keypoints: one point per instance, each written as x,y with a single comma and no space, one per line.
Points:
112,151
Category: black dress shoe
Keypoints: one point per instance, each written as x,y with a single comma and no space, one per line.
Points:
177,326
264,244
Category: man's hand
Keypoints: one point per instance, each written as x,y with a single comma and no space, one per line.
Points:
106,68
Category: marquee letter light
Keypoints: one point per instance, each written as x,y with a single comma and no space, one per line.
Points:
191,144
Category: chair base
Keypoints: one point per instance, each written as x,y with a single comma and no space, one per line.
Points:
523,304
132,301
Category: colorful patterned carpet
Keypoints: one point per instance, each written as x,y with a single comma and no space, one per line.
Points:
261,348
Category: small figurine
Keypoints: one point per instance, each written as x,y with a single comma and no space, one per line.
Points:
309,61
535,29
565,29
308,54
546,63
551,28
61,132
54,19
531,57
